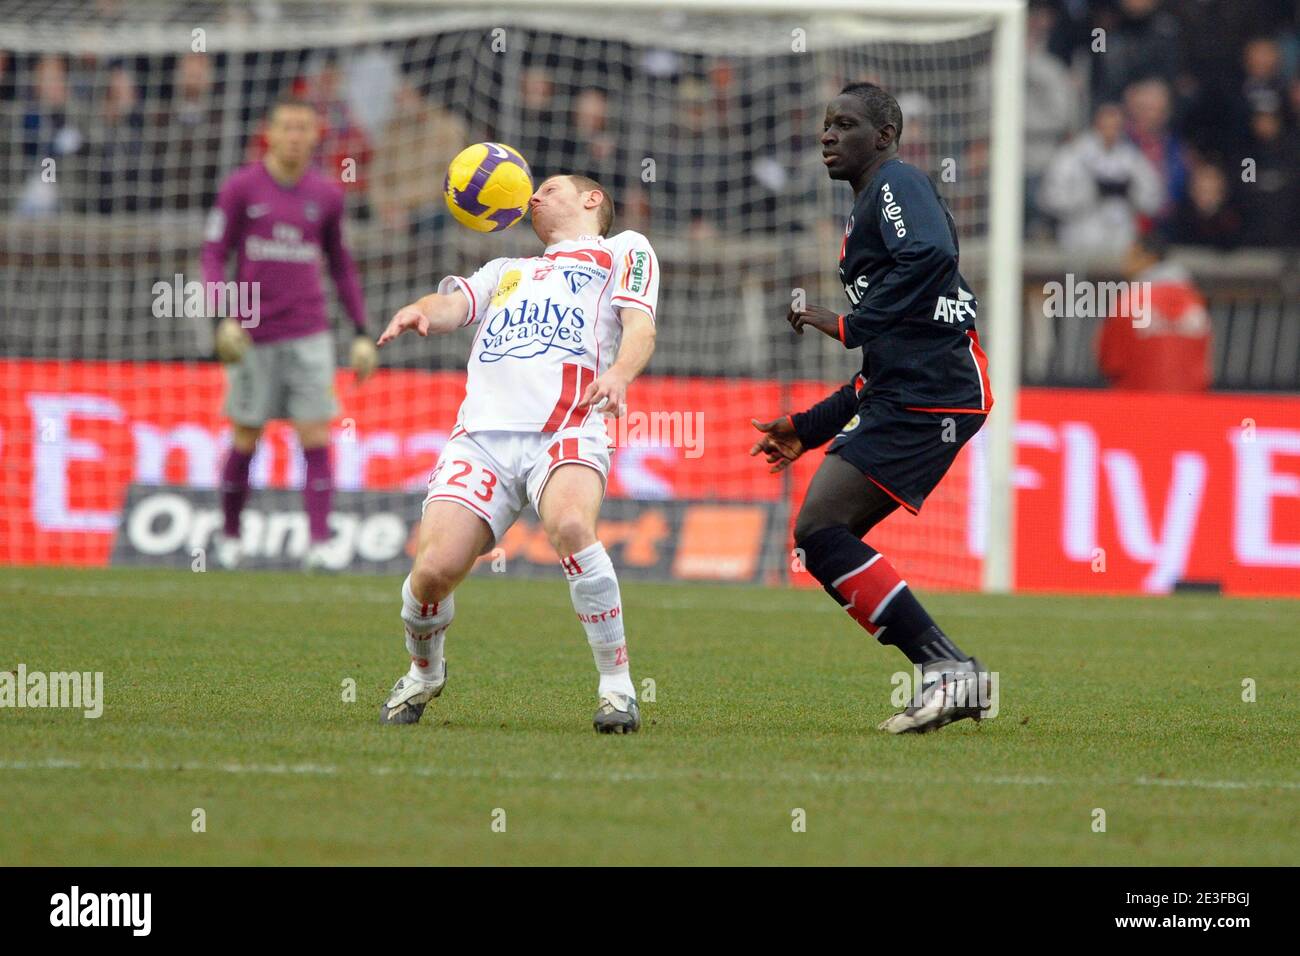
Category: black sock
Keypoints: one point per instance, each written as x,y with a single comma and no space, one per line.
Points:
866,585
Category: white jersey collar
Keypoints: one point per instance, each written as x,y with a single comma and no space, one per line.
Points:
565,242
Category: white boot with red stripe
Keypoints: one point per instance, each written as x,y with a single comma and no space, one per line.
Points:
593,586
426,632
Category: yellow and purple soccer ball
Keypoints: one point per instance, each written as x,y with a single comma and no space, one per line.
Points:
488,186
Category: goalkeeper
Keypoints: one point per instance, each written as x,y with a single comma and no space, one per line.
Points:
278,216
896,428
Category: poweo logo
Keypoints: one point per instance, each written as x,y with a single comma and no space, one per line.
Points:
892,211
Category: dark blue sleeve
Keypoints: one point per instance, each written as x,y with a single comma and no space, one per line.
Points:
820,423
914,229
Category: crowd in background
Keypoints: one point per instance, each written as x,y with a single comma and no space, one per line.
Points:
1186,124
1178,118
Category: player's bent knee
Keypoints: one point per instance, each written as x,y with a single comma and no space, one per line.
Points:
433,577
570,532
809,522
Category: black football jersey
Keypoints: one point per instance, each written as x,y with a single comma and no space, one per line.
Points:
912,313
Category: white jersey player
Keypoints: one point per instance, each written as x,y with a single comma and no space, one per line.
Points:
558,337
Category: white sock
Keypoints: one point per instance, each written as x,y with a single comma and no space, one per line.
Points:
594,589
426,631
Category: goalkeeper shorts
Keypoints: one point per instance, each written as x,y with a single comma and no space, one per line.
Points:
289,379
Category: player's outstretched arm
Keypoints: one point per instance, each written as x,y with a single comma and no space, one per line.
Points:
609,391
788,437
435,313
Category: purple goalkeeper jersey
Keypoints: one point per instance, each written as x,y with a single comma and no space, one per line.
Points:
278,234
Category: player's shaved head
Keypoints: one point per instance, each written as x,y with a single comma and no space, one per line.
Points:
605,212
292,130
564,205
878,105
860,133
289,103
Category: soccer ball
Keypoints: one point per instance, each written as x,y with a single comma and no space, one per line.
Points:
488,186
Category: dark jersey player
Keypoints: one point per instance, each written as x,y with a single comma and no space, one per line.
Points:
895,429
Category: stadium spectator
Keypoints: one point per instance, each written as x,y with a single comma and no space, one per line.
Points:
1206,217
115,146
189,132
1263,85
536,100
417,144
917,146
344,152
1157,340
1213,36
592,148
690,187
1051,108
373,78
1097,185
8,81
1142,41
1148,106
51,130
1271,202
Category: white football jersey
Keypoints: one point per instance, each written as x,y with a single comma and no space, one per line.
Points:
547,326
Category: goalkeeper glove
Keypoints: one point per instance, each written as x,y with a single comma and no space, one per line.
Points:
232,340
365,357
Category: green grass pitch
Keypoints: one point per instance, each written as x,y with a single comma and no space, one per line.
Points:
225,693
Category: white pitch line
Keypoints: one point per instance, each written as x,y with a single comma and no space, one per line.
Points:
627,776
720,599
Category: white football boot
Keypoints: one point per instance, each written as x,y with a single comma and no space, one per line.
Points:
229,551
318,557
406,701
950,690
617,714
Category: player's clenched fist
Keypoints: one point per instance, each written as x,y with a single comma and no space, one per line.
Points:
779,442
406,319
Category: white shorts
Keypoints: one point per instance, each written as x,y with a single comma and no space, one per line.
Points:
495,474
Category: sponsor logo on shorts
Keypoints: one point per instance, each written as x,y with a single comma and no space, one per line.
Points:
853,423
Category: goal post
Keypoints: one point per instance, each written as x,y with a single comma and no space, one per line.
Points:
702,114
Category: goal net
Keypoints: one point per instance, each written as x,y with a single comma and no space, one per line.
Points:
120,120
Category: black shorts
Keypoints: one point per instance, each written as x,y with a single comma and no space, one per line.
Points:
906,453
